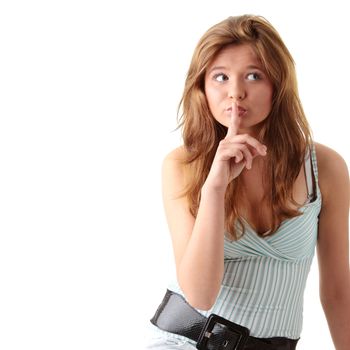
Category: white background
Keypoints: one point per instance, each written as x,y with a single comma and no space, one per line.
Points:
88,100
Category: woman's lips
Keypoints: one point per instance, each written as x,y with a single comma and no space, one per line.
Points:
241,111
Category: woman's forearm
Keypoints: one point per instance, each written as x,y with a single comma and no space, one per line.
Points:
337,311
202,266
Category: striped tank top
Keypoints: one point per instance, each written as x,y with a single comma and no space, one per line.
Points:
264,278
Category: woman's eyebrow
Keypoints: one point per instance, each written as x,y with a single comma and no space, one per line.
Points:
252,66
217,68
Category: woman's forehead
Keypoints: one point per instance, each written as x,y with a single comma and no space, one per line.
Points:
242,54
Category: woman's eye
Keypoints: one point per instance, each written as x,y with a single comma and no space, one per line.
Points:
220,77
253,76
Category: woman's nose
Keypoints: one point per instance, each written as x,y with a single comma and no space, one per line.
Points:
236,91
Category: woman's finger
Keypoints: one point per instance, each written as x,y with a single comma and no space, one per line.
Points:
235,122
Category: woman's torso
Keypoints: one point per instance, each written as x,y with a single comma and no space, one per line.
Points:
265,277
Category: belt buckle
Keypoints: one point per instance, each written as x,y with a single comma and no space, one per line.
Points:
206,333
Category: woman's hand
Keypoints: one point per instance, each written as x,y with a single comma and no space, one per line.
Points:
234,153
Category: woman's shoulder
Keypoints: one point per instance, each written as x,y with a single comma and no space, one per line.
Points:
175,158
178,154
332,169
328,160
174,165
173,172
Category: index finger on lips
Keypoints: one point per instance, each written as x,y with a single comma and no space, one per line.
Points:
235,121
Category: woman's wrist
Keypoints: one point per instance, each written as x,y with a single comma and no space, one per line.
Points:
213,190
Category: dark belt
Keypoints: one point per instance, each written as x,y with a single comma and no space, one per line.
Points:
175,315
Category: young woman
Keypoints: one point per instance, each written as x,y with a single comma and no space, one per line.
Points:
247,198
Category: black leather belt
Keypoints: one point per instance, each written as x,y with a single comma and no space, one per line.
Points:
175,315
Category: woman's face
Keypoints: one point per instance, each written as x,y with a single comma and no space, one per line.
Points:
236,76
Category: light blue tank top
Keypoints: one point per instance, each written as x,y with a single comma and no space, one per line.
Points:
264,278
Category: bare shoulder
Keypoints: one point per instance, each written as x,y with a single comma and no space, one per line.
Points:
174,161
177,155
330,162
173,171
332,169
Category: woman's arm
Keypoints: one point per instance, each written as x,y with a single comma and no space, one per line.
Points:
333,245
197,243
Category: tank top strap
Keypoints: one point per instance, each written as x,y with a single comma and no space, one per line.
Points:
314,161
311,172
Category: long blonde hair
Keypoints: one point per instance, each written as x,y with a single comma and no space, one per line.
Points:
285,131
